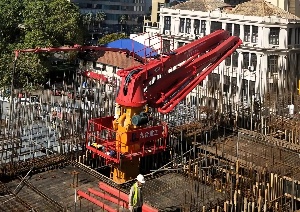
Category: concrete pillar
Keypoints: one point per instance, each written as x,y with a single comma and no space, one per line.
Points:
208,25
175,28
265,37
224,25
161,24
261,36
283,38
242,32
239,76
192,26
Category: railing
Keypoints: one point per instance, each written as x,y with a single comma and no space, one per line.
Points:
115,146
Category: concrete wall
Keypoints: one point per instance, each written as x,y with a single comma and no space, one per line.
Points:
148,39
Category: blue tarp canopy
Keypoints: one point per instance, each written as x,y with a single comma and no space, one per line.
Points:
138,48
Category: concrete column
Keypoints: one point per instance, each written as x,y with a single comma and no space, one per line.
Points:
161,24
283,38
192,26
264,68
258,73
224,25
175,27
242,32
239,77
208,25
265,37
280,72
261,37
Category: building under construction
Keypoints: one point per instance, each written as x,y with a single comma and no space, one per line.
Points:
218,155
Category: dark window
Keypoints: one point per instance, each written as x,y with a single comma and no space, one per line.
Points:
114,69
228,61
181,25
236,31
229,28
98,6
103,67
253,61
166,46
226,84
167,22
180,44
234,87
235,59
274,36
297,36
215,26
203,27
273,64
247,33
254,38
114,7
290,36
245,60
196,27
188,25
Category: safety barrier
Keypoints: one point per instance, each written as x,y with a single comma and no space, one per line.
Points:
106,142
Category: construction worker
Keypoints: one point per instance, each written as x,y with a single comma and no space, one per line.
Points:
135,196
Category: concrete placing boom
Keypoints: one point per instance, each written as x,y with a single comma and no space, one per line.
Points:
130,135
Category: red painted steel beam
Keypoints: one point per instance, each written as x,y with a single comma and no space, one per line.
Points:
113,191
95,201
103,155
109,198
123,196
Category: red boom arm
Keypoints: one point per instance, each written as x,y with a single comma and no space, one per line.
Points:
202,57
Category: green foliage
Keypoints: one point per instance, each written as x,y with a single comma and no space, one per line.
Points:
100,17
88,19
111,37
11,17
59,20
123,19
32,24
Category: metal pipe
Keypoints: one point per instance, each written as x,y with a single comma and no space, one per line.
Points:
95,201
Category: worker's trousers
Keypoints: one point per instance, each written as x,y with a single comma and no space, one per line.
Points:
138,209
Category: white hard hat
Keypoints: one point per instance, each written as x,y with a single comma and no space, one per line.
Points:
140,178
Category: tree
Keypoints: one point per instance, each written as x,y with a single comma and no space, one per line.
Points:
100,17
11,16
59,20
32,24
65,23
111,37
123,20
88,19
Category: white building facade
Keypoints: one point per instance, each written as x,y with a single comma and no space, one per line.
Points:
268,59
